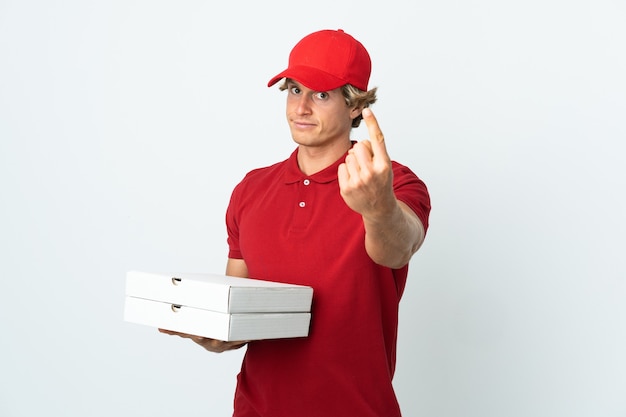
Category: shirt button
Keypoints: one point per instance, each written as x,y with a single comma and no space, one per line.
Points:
302,204
307,182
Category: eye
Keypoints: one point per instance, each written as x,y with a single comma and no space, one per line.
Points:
295,90
321,95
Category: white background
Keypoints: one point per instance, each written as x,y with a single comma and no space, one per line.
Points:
124,126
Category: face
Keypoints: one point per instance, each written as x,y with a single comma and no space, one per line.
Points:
318,118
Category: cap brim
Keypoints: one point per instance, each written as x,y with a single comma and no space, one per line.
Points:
310,77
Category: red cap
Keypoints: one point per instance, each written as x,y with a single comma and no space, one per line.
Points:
328,59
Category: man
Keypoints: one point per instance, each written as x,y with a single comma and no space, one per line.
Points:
338,216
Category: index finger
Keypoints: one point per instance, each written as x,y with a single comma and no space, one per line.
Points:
376,135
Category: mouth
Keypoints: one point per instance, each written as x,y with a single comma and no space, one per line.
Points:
302,124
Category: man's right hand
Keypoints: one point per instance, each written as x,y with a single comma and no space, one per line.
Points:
212,345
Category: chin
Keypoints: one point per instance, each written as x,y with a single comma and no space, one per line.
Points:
301,139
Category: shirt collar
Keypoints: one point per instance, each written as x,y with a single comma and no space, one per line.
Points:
294,174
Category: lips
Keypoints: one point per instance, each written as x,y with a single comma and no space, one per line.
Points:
302,124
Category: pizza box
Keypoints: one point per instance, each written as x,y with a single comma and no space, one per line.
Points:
219,293
215,324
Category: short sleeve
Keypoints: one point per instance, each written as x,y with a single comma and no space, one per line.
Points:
412,191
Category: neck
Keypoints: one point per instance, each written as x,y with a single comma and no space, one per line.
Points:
314,159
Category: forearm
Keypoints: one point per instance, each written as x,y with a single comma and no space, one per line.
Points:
391,240
236,268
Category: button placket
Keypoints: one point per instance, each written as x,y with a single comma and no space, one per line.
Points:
306,182
302,212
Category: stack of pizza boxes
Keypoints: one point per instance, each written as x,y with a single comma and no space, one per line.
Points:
218,306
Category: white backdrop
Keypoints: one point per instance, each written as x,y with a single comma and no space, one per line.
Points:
124,126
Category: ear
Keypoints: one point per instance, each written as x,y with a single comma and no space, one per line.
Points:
355,112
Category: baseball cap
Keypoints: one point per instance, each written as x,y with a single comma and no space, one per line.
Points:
328,59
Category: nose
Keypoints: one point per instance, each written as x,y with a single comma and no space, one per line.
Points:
303,104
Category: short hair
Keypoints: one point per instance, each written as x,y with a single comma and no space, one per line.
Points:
353,97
